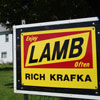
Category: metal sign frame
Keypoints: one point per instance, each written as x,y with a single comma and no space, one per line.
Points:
75,23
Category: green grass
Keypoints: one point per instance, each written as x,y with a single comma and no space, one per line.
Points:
6,84
6,87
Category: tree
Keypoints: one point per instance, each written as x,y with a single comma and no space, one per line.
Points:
42,10
95,5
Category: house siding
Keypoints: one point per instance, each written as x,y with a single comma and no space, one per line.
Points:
6,47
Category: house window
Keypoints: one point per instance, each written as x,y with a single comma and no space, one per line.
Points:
6,38
4,55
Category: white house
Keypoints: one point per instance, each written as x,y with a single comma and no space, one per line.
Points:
5,45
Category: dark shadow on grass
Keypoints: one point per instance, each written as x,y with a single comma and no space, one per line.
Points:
6,69
10,85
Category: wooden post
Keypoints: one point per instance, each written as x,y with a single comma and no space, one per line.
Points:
25,96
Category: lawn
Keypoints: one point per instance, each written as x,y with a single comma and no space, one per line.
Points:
6,84
6,87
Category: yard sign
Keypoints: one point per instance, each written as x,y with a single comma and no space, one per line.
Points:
58,58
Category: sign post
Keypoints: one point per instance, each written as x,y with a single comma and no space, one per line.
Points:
58,58
25,96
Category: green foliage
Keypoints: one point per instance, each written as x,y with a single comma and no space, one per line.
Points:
42,10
